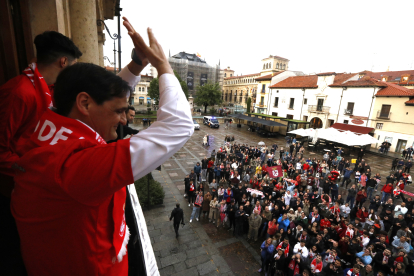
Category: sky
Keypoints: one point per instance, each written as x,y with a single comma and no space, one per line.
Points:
316,36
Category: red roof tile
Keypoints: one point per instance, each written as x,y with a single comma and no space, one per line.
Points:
410,102
341,78
268,77
393,89
298,82
243,76
364,82
392,75
353,128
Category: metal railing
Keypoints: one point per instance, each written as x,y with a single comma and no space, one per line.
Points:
383,115
319,108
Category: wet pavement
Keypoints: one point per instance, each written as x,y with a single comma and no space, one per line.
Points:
202,248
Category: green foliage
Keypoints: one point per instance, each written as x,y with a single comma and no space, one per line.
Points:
212,110
249,103
156,191
208,95
154,88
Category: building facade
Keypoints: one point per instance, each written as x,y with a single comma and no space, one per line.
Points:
194,70
392,117
140,93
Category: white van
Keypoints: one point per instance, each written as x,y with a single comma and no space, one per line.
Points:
211,121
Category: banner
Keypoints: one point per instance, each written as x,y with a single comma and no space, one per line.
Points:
190,80
203,79
291,181
275,171
257,192
407,193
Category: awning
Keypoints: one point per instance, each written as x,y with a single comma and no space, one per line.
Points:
141,97
148,98
352,128
257,120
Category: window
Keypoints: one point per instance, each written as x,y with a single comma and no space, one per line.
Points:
405,78
305,118
319,107
289,116
277,65
231,75
139,89
305,101
262,101
385,111
379,125
330,122
276,101
346,121
264,66
225,74
284,66
274,113
263,88
350,109
291,103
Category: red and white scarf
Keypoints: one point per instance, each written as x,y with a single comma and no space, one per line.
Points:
349,233
40,86
317,267
385,259
302,237
286,250
53,128
293,265
351,272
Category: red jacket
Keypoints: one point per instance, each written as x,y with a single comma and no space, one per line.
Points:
324,224
65,201
306,166
362,215
387,189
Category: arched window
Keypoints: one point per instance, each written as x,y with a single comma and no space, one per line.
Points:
270,65
284,66
264,66
277,65
225,74
139,89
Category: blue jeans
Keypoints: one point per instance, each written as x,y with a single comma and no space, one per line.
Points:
196,212
350,199
370,190
384,196
264,229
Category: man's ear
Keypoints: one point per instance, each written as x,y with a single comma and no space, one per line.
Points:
63,62
83,103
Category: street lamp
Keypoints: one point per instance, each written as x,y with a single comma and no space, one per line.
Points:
114,37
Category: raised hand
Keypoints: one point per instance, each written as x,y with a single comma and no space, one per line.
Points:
153,52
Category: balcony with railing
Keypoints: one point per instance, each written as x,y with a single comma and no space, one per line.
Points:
318,108
348,111
383,115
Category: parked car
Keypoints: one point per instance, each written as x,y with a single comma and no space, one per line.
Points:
196,125
211,121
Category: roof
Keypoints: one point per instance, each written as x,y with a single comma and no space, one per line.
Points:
393,76
341,78
364,82
326,74
147,76
296,121
353,128
227,70
266,116
243,76
282,58
410,102
268,77
257,120
393,89
191,57
298,82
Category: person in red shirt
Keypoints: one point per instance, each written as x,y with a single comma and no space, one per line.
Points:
23,100
386,192
362,214
70,191
325,223
306,166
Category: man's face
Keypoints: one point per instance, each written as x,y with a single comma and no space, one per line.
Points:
105,118
130,116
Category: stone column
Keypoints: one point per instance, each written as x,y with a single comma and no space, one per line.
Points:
84,29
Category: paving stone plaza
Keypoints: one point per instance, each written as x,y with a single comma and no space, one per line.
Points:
202,248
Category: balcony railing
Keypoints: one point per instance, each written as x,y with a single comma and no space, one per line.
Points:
348,111
386,116
319,108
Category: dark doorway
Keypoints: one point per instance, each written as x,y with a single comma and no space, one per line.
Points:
316,123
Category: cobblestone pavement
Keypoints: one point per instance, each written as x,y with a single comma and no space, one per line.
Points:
203,249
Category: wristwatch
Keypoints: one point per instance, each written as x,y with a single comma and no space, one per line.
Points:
135,57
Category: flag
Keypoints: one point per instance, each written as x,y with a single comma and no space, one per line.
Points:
198,55
275,171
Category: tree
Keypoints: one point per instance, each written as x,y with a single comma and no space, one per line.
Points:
207,95
248,103
154,89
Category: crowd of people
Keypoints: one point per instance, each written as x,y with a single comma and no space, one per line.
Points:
307,226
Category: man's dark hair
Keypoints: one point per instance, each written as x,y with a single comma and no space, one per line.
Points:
52,45
99,83
130,107
177,205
